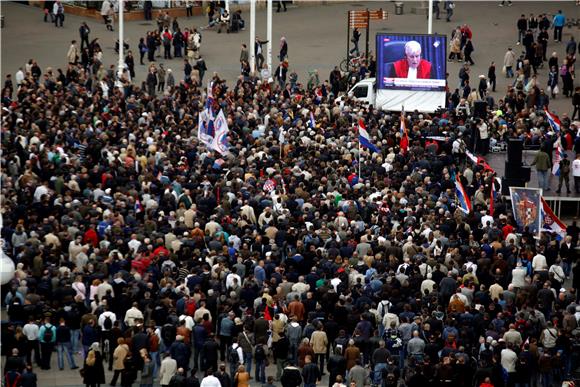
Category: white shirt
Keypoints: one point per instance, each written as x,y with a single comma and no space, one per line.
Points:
210,381
485,219
539,263
412,74
576,168
31,331
508,360
103,316
40,190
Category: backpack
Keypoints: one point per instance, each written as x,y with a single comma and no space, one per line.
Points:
166,41
108,323
259,353
233,357
47,334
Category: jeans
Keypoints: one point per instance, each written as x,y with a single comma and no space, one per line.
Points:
196,357
260,375
61,348
509,72
248,362
155,360
543,180
280,364
521,34
378,372
546,379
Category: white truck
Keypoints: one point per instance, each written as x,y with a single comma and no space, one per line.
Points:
392,100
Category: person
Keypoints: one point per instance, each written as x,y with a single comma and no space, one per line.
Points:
31,330
147,373
242,377
576,172
121,352
161,74
291,376
491,76
558,22
189,8
436,9
107,13
412,66
509,60
244,55
166,38
283,49
280,4
93,372
449,7
84,32
355,39
258,52
310,373
152,81
319,342
576,103
148,10
564,176
28,378
58,12
47,338
543,166
63,344
522,25
281,72
467,51
210,380
553,81
167,370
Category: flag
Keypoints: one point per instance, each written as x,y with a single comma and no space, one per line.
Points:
312,122
479,160
491,197
318,94
558,156
550,222
205,124
553,120
138,206
269,185
220,140
404,143
364,138
462,198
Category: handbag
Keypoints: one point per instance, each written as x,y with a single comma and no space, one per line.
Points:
556,90
504,70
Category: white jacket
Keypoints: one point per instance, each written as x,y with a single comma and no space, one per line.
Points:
167,370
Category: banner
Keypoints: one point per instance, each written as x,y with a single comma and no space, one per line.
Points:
220,140
526,206
551,223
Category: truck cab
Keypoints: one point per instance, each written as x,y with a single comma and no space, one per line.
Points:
364,91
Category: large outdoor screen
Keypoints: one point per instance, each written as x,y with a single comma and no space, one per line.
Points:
411,62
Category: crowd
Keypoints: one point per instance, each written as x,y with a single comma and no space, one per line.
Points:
140,250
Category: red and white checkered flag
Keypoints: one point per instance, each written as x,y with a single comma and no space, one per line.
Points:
269,185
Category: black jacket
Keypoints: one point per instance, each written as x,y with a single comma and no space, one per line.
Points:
291,377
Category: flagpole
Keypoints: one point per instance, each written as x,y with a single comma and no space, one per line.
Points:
359,154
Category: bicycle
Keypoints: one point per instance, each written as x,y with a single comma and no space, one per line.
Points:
352,61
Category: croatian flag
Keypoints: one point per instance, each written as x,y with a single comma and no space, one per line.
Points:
269,185
558,156
551,223
364,138
462,197
312,122
206,129
553,120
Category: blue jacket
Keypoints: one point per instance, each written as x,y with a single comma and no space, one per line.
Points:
559,20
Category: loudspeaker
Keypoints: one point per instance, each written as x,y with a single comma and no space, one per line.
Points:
512,171
480,109
513,182
515,149
526,173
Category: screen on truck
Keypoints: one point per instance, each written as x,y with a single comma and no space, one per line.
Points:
411,62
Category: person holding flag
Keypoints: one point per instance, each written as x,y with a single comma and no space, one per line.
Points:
563,171
404,143
462,197
364,137
553,120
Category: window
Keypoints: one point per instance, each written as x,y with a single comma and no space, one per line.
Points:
360,91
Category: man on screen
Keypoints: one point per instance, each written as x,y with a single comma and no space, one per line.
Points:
412,66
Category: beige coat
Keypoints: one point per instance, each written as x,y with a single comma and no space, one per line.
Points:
167,370
72,54
319,341
119,356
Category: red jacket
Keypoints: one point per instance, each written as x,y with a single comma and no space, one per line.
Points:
91,237
402,69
